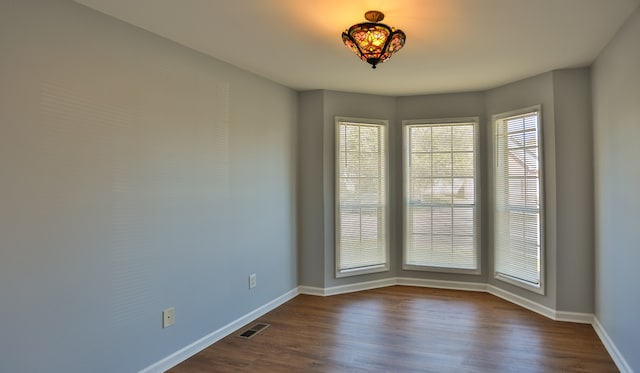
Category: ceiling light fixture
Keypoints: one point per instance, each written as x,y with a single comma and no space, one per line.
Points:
373,42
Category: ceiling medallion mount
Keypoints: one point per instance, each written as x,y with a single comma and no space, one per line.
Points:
374,16
373,42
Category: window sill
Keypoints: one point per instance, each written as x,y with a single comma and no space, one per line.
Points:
413,267
362,271
538,289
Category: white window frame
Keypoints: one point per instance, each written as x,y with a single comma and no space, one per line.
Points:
382,267
537,109
407,124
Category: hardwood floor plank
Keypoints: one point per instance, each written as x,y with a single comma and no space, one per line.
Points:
406,329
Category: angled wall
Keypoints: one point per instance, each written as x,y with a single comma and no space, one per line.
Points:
574,186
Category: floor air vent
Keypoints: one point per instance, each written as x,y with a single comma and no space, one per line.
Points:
251,332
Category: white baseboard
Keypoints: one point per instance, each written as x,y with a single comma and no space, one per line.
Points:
350,288
617,357
522,302
204,342
405,281
440,284
577,317
311,290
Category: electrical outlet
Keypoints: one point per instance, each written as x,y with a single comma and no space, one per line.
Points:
168,317
253,281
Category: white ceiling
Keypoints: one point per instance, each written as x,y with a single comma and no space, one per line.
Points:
452,45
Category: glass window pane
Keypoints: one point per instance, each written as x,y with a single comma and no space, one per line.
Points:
421,165
361,200
441,138
420,139
517,200
421,191
463,138
442,164
463,191
441,174
463,164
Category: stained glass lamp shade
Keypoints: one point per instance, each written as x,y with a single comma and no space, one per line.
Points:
373,42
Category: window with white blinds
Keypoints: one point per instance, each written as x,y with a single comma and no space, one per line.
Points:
361,197
440,212
517,198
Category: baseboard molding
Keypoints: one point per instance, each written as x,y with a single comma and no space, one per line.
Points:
581,318
617,357
311,290
577,317
522,302
404,281
204,342
440,284
350,288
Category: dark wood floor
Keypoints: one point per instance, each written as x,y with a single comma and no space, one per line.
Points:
406,329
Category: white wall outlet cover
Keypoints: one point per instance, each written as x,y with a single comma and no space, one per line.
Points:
253,281
168,317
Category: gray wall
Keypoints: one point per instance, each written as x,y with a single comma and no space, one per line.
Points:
311,189
136,175
616,119
574,186
518,95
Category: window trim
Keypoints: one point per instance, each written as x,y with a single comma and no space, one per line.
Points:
477,187
541,287
387,224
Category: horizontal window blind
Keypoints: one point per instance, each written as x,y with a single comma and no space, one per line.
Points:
361,195
440,195
517,198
